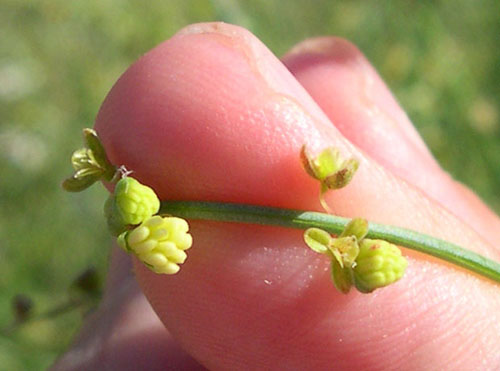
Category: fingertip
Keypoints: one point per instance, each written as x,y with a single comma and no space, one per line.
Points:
219,92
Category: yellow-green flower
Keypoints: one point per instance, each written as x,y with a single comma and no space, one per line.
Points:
159,242
90,163
329,167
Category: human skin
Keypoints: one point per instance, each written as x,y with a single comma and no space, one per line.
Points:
211,114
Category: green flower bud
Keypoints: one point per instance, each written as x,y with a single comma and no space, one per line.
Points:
341,276
134,201
379,263
113,217
159,242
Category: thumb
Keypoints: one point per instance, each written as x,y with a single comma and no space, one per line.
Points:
212,115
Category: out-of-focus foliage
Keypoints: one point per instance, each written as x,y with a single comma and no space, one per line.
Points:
59,58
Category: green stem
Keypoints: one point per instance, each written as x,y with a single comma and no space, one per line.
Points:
334,224
54,312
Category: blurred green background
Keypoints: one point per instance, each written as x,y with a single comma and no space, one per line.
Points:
59,58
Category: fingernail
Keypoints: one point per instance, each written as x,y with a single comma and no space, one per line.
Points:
260,58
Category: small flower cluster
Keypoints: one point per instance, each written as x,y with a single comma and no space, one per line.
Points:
378,264
366,263
130,204
330,168
90,164
159,242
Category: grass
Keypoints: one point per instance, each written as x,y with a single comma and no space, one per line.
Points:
59,58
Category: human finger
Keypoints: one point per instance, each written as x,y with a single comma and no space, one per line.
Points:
211,114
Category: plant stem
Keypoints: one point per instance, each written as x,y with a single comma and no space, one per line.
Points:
63,308
241,213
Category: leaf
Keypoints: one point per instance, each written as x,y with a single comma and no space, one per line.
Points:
86,172
123,243
99,153
307,162
93,142
317,239
357,227
116,226
342,277
77,184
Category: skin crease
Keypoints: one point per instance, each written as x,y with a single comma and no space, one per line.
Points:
211,114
